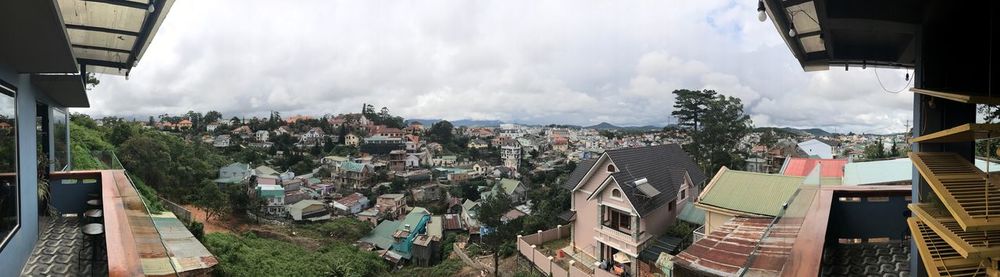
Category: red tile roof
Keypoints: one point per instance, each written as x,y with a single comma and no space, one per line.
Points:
802,167
726,250
451,222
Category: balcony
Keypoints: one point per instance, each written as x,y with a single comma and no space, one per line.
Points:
619,240
698,234
137,242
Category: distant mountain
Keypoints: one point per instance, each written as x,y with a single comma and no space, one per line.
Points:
817,132
608,126
459,123
603,126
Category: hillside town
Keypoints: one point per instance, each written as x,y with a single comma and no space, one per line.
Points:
415,185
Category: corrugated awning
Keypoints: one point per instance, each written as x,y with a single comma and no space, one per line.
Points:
109,36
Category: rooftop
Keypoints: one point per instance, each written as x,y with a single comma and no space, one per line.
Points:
802,167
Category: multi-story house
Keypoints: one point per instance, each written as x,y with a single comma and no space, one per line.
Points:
391,205
628,196
397,160
510,153
262,135
352,140
354,175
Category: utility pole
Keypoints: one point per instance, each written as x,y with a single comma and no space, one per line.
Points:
906,130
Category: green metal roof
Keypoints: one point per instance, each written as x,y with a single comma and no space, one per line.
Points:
691,214
352,166
413,218
749,192
381,236
269,191
877,172
509,185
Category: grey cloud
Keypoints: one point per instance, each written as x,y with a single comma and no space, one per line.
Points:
577,62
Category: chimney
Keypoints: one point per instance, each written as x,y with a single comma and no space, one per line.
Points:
406,227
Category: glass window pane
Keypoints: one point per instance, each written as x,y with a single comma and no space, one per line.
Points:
60,139
8,165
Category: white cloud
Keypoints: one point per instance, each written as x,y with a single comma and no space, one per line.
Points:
577,62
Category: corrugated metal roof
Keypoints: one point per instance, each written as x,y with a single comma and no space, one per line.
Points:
877,172
802,167
749,192
691,214
726,250
381,236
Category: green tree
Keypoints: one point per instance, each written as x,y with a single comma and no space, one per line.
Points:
212,116
875,150
499,231
212,200
441,132
691,105
717,123
122,132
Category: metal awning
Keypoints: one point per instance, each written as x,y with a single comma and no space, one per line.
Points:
67,90
109,36
32,38
821,33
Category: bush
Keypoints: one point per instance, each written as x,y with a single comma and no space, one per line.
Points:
198,230
249,255
473,250
446,268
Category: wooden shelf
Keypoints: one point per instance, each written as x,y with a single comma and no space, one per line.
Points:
938,257
963,133
962,188
959,97
974,244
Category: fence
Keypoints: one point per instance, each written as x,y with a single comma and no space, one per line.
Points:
698,234
549,265
178,210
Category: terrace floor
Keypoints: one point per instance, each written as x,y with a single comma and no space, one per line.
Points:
57,251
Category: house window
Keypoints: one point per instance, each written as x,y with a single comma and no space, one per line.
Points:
10,216
60,137
618,220
611,168
616,193
683,194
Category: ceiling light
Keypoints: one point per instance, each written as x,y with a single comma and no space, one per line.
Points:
761,14
791,32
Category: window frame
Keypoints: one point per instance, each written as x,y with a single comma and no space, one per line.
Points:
613,196
8,89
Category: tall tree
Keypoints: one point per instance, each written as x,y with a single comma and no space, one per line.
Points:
691,105
717,125
498,231
441,132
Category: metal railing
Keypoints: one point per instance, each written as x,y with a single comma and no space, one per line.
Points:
698,234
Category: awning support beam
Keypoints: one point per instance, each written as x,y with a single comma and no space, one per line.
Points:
99,48
123,3
102,29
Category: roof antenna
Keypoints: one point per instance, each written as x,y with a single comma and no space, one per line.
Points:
630,174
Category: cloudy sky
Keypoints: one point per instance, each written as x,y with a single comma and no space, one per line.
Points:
573,61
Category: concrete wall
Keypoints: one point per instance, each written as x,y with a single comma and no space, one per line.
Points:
548,265
587,215
714,220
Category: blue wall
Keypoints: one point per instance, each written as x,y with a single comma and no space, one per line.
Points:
18,249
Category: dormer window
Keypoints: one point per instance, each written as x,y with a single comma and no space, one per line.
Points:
611,168
616,193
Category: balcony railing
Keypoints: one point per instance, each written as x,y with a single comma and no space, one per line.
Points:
138,241
698,234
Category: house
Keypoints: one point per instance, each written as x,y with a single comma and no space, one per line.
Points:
273,197
371,215
242,131
444,161
626,197
413,159
477,144
309,210
397,160
211,127
391,205
398,238
734,193
816,148
428,192
560,144
354,175
481,168
283,130
352,140
262,135
234,173
314,134
513,188
427,246
351,204
470,213
221,141
184,124
510,153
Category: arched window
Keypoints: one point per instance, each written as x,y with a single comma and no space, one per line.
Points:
611,168
616,193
